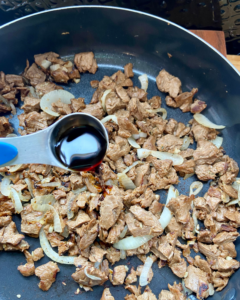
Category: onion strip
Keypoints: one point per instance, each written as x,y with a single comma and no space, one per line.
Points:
130,167
131,242
110,117
133,143
103,99
195,188
166,215
70,213
126,182
176,158
202,120
123,233
144,81
159,110
186,143
143,279
91,276
217,141
5,186
16,201
67,260
54,96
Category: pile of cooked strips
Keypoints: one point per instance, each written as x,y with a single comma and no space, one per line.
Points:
95,219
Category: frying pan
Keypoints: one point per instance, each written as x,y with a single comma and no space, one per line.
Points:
119,36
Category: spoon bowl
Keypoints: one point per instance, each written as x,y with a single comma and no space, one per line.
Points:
39,148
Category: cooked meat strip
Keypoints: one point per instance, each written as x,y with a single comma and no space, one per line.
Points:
206,153
183,100
47,274
110,210
106,295
118,275
169,143
80,277
180,207
85,61
31,104
95,110
35,75
198,106
128,70
197,282
147,218
168,84
37,254
28,269
5,127
202,132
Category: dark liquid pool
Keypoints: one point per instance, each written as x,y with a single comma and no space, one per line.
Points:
81,148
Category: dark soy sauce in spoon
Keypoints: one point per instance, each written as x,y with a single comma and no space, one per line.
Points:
81,148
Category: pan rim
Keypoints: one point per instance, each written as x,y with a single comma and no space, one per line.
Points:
129,10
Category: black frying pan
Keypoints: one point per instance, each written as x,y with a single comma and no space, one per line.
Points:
118,36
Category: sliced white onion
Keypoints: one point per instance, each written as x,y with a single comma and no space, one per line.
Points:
29,184
53,96
16,201
143,279
186,291
46,207
196,225
45,64
233,202
50,184
133,143
126,182
11,135
136,136
142,134
111,182
144,82
130,167
13,108
65,232
176,158
55,67
195,188
5,101
131,242
80,190
39,202
186,143
91,276
33,92
217,141
14,168
67,260
201,119
166,215
110,117
159,110
123,254
225,197
123,233
103,99
5,186
211,289
70,213
188,176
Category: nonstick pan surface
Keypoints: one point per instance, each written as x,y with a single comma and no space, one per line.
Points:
119,36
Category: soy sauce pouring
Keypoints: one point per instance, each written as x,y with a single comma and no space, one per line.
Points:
77,142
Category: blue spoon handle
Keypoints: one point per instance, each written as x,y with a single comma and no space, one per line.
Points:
7,153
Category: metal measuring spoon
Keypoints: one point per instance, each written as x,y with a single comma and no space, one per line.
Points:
39,147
